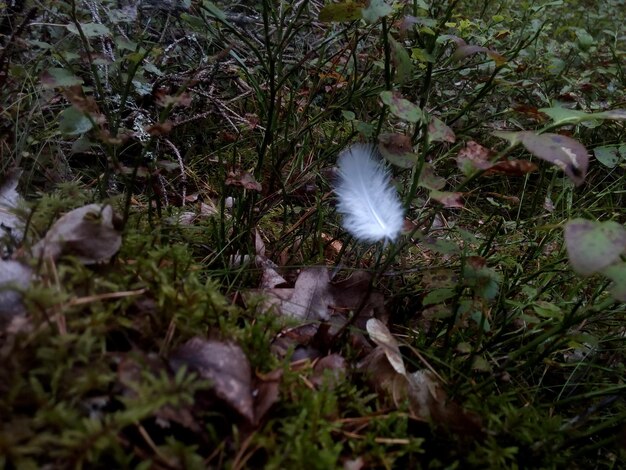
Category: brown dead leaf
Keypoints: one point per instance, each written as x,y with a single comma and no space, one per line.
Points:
448,199
329,370
159,129
383,338
266,393
511,168
225,366
90,233
14,278
473,157
397,149
244,180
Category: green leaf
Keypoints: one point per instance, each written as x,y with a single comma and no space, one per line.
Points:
59,77
336,12
401,60
429,180
422,55
214,10
438,131
562,116
607,155
592,246
397,149
401,107
547,310
617,274
91,30
376,10
74,122
438,296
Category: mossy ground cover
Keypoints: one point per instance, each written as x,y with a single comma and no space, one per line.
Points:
490,335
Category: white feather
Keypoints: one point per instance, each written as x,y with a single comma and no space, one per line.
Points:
369,203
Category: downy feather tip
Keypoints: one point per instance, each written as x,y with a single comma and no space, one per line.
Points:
368,202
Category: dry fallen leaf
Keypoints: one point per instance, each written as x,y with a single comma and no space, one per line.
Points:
11,227
89,233
427,400
225,366
14,277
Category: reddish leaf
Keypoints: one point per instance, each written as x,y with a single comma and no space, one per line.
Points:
512,168
429,180
397,149
566,153
473,157
438,131
448,199
401,107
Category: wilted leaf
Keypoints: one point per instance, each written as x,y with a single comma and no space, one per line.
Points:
484,280
397,149
429,180
311,295
592,246
401,107
376,10
473,157
74,122
465,50
344,11
90,233
617,273
245,180
401,60
511,168
329,370
266,393
438,131
14,277
89,29
381,335
59,77
448,199
566,153
225,366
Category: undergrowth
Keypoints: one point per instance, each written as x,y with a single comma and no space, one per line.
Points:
212,128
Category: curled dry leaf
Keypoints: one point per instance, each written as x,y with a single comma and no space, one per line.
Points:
225,366
381,335
89,233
